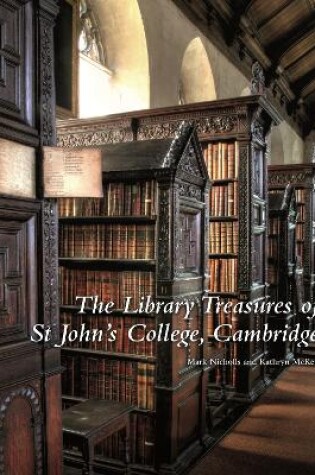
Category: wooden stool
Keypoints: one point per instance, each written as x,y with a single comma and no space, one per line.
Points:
88,423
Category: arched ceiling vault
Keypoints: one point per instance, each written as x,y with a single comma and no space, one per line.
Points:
279,34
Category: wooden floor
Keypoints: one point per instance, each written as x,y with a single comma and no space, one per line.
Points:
276,436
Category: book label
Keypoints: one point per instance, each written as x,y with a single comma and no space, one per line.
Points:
72,172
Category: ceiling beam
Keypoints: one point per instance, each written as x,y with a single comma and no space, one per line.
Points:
276,49
287,65
271,16
308,89
304,81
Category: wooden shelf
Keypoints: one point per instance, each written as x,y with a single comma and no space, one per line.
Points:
110,354
143,219
223,294
224,181
97,263
113,312
223,218
223,255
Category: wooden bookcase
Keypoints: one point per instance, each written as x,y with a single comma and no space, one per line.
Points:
30,389
301,176
235,128
143,239
282,266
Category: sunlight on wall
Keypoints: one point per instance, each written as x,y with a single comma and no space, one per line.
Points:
94,88
285,145
123,37
293,145
309,151
276,146
196,78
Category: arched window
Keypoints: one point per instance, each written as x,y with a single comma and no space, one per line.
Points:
77,36
100,68
113,58
90,43
196,82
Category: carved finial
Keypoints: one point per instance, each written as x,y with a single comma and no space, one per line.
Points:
180,139
184,128
257,84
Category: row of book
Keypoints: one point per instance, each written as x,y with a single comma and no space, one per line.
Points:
106,285
120,199
299,231
223,237
118,342
107,241
273,247
142,441
272,272
221,315
224,200
272,250
301,214
223,275
300,250
113,379
274,227
222,160
300,195
224,316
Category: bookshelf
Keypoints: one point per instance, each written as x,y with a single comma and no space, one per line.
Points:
142,240
282,265
232,134
301,176
222,160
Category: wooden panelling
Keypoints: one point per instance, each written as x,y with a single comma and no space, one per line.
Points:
19,451
53,425
18,230
28,229
16,61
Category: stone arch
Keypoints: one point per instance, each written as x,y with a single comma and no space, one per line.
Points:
276,146
27,400
196,82
125,83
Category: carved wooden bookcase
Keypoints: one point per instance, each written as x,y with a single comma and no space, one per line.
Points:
169,394
301,176
30,390
282,267
243,123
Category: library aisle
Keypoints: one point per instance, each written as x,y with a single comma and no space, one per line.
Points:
276,436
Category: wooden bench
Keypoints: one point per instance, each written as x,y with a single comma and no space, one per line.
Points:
88,423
